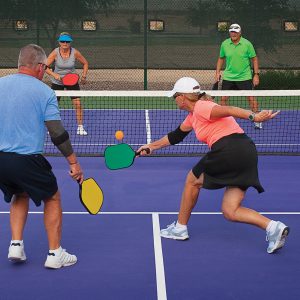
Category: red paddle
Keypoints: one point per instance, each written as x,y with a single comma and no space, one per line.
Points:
70,79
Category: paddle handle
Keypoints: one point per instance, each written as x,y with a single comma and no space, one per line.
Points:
139,152
216,84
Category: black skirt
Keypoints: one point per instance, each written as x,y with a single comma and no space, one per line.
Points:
232,161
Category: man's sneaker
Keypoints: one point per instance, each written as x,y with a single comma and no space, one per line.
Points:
63,259
257,125
80,130
277,238
171,232
16,251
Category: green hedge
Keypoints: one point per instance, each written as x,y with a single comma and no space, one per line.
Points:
279,80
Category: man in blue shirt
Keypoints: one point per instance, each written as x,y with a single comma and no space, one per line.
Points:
26,106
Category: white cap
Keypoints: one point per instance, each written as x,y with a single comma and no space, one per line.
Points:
235,28
185,85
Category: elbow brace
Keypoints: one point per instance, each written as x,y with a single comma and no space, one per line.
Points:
58,140
59,137
177,135
63,143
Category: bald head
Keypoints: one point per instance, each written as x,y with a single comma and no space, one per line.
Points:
31,55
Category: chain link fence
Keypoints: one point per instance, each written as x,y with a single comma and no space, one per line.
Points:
135,44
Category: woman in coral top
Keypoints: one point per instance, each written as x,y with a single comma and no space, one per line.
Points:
231,162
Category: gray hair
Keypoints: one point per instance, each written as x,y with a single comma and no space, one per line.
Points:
31,55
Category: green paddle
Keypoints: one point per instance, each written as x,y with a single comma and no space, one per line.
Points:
120,156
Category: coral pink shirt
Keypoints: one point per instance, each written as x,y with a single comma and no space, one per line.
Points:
207,130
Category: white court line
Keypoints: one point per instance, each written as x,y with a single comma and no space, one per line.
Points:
159,260
156,212
148,126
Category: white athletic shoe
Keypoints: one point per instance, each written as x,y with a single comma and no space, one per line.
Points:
277,238
171,232
16,251
81,131
63,259
258,125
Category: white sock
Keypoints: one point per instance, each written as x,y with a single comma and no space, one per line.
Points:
56,251
180,226
271,226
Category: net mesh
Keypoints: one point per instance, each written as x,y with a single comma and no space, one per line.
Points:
145,116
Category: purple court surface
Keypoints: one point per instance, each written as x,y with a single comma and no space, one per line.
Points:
281,136
121,255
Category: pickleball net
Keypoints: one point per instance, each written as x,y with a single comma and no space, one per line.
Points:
145,116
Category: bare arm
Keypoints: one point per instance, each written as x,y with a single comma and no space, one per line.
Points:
85,64
163,142
220,63
256,71
60,139
237,112
50,60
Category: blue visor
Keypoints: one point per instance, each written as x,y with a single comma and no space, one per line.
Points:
65,38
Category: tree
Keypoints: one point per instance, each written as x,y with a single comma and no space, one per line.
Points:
49,14
203,13
254,16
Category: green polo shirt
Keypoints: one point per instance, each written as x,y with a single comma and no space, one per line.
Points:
238,63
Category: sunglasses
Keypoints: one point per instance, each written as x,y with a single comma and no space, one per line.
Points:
44,66
176,95
63,42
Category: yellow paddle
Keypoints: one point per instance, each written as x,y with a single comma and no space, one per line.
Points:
91,196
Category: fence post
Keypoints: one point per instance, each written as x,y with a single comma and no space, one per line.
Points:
145,45
37,23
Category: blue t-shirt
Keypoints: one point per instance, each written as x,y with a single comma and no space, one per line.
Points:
25,104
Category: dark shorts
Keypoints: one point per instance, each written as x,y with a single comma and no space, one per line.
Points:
232,161
26,173
58,87
237,85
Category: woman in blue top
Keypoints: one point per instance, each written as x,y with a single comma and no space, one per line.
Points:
64,57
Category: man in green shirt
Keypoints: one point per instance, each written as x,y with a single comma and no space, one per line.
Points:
238,53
